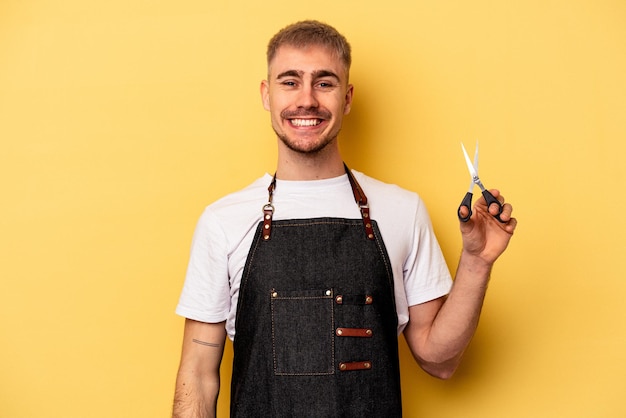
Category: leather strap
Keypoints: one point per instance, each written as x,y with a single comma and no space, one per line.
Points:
359,197
268,210
355,365
354,332
361,200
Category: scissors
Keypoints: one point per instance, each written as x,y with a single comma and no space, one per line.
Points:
467,200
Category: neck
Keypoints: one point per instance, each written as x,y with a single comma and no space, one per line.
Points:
324,164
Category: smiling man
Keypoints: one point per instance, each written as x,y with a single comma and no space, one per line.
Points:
314,272
307,94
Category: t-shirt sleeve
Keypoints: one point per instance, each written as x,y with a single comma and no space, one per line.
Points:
426,274
205,295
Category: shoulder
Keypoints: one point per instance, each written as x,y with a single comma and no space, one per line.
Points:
235,214
390,195
255,192
241,203
400,213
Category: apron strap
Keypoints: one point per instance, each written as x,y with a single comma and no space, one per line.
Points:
268,211
359,197
361,200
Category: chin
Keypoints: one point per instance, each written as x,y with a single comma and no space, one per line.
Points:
307,147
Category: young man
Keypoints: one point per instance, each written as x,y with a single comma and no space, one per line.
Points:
312,290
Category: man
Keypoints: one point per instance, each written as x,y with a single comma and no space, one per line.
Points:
312,290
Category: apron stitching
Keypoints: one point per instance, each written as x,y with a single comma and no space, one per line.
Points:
332,340
244,279
319,223
381,251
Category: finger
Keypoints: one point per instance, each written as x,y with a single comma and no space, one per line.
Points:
463,211
510,225
507,211
495,209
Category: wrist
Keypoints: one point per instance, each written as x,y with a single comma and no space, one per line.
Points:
475,263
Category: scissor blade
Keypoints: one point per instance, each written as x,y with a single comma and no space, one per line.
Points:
470,166
476,158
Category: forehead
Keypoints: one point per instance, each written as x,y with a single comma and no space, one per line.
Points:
307,60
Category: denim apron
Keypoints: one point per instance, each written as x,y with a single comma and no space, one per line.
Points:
316,325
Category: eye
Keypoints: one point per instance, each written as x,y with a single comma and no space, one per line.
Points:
325,84
288,83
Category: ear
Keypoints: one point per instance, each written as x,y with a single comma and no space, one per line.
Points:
265,94
348,99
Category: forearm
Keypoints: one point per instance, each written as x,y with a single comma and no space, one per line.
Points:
195,396
439,347
457,320
198,379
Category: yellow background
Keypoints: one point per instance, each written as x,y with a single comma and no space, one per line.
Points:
120,120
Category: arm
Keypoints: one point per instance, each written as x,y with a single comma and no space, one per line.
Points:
198,380
439,331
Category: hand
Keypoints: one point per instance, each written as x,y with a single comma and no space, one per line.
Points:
483,235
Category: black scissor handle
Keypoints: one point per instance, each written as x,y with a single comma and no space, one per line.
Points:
490,199
467,202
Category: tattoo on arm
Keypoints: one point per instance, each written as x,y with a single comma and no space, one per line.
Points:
205,343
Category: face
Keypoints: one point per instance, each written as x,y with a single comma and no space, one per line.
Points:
307,94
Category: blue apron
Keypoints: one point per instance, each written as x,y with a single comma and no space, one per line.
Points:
316,325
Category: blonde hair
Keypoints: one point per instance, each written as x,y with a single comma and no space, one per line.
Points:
311,32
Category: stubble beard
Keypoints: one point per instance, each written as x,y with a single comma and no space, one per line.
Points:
308,148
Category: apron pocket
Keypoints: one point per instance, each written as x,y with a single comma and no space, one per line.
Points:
303,332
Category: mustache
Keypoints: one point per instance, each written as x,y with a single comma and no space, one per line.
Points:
305,113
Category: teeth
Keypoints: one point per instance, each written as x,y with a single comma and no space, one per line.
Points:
305,122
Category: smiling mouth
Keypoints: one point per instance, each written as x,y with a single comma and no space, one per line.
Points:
305,122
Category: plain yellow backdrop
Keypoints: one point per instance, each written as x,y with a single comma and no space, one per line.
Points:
121,120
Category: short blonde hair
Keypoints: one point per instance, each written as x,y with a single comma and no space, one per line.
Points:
311,32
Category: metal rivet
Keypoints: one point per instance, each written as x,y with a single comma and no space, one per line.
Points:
339,299
370,236
368,300
267,227
342,366
368,225
367,365
329,292
368,332
339,331
266,237
274,294
268,217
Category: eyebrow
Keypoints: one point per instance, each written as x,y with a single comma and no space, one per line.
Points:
316,74
290,73
325,73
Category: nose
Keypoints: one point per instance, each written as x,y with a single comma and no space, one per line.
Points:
306,98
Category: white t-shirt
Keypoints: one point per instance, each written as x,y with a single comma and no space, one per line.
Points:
226,229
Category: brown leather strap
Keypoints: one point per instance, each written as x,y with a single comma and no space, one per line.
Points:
354,332
355,365
268,210
361,200
359,197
